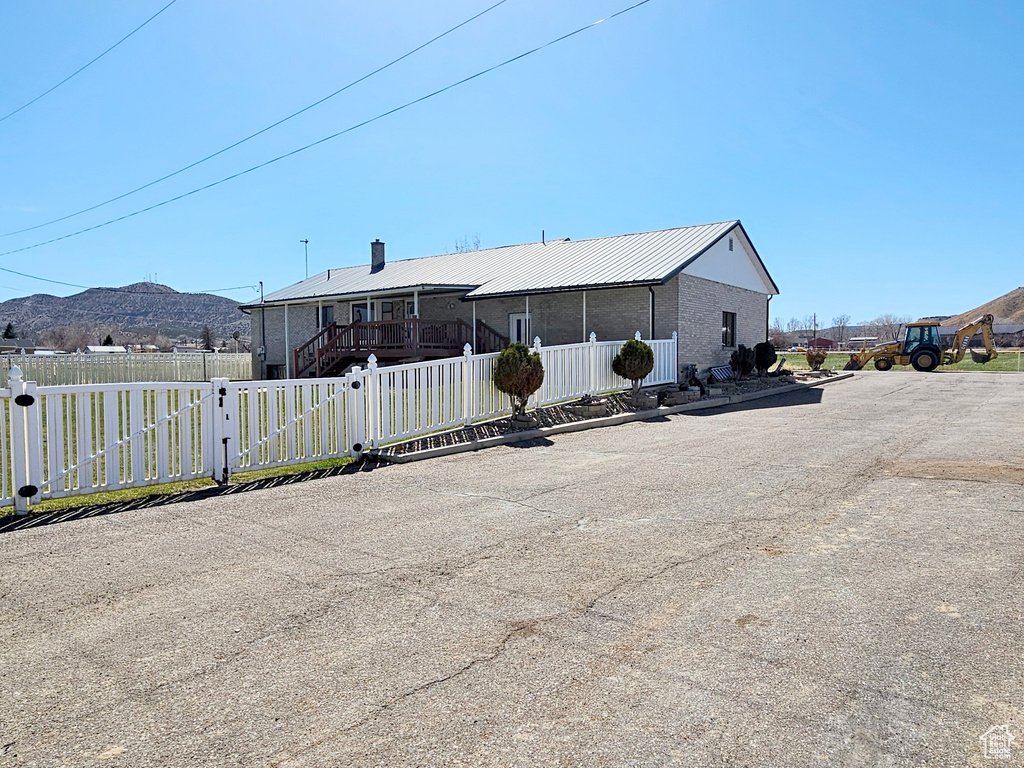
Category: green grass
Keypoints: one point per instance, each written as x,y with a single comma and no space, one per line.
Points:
170,489
1007,361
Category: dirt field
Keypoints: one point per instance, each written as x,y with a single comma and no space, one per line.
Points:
823,578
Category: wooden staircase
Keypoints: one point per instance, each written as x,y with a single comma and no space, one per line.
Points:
336,347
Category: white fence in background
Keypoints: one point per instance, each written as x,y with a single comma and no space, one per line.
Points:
58,441
82,368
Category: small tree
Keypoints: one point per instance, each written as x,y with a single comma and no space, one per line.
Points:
816,358
764,357
108,341
9,332
518,372
634,361
742,361
206,337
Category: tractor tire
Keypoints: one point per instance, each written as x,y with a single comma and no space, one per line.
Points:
925,360
883,364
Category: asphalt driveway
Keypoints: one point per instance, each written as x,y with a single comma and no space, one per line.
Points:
829,577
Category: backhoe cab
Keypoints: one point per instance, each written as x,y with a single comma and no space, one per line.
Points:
921,347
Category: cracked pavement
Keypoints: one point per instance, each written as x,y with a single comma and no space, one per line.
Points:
782,582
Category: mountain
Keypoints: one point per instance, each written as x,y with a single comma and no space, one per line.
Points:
1008,308
141,309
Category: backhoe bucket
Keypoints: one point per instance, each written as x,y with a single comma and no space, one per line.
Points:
980,357
853,365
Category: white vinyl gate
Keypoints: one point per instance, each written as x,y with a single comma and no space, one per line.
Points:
58,441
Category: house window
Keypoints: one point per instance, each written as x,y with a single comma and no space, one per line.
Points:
275,371
728,329
326,315
363,314
730,243
387,310
410,309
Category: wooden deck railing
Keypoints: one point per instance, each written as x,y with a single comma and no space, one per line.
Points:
391,339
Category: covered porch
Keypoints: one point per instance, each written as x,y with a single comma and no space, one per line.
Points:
336,347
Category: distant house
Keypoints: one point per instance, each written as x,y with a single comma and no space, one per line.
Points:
821,343
707,283
99,349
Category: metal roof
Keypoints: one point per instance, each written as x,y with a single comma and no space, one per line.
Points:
645,258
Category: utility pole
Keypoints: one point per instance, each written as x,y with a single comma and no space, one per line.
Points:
305,244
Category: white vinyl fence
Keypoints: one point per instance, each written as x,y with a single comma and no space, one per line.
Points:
82,368
58,441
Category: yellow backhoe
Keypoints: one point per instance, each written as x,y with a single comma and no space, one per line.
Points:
921,347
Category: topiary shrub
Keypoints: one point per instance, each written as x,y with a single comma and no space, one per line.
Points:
742,361
764,357
518,372
634,361
816,358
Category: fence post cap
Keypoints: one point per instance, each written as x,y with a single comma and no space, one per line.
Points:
468,349
675,335
637,335
536,342
14,373
593,337
372,359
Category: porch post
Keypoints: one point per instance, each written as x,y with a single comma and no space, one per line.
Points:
287,346
584,315
416,303
474,326
528,328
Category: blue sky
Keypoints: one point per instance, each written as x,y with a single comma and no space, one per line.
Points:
872,150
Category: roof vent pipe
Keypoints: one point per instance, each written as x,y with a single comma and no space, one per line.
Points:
376,256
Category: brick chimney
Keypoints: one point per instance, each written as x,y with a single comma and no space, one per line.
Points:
376,256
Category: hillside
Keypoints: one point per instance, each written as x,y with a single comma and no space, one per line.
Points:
1008,308
141,309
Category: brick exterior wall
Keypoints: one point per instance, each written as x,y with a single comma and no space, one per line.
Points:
302,326
701,304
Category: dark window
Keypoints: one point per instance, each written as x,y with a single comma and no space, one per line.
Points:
387,310
410,309
275,372
728,329
326,315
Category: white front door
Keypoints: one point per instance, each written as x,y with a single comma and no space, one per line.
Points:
519,328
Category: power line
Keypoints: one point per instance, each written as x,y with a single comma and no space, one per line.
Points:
120,290
262,130
89,64
325,139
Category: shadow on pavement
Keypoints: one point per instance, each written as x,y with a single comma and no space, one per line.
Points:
163,499
535,442
811,396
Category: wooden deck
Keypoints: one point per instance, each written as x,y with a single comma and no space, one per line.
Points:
337,347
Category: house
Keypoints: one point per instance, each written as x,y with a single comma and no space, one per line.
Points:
821,343
1004,335
707,283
